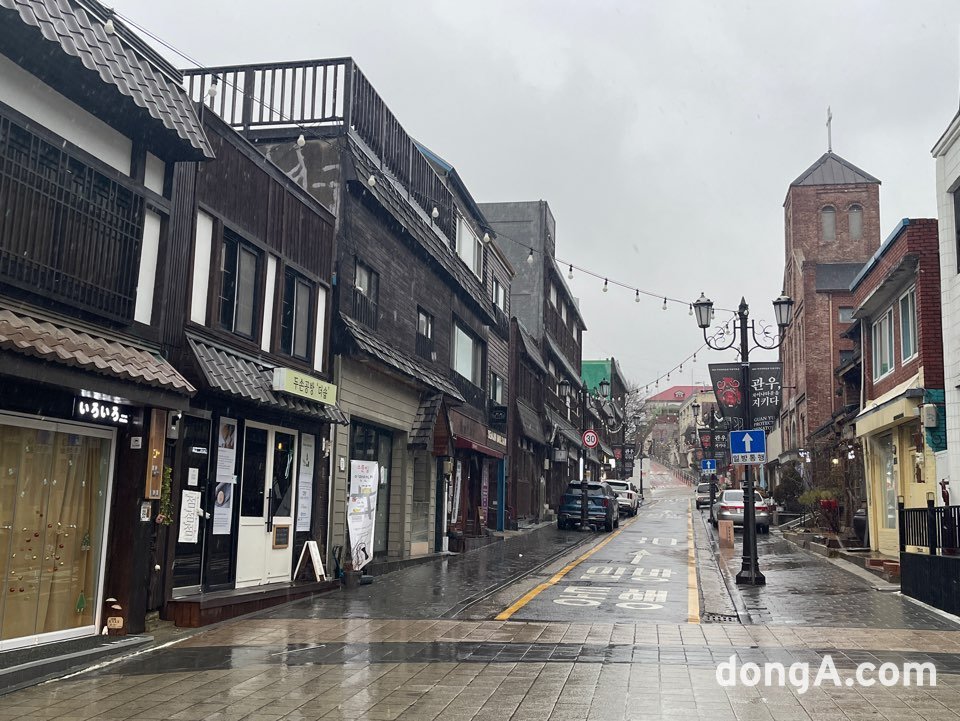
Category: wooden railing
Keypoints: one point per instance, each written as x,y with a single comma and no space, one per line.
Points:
473,394
68,231
289,98
365,310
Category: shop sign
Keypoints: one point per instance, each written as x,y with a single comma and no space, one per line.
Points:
114,622
497,438
629,453
498,416
766,385
87,409
287,380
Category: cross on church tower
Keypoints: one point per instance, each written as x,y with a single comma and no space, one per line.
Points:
829,130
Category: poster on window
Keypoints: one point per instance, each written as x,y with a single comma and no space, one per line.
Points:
362,510
226,476
458,482
305,483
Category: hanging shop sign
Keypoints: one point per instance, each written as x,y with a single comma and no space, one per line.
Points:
226,478
288,380
498,417
362,510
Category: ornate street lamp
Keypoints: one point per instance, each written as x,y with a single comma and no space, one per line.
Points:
744,330
604,388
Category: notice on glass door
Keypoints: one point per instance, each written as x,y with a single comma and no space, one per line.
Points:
189,517
305,483
226,476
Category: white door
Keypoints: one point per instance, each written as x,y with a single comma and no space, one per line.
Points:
267,493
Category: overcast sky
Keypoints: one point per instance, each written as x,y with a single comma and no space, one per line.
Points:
663,135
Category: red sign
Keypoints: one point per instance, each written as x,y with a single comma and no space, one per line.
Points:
591,439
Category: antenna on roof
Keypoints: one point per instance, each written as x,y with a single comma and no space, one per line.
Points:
829,130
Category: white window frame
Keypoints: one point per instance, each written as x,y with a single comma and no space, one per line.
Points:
499,295
462,336
881,336
911,297
496,388
469,247
553,295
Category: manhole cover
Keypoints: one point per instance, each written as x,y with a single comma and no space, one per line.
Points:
719,618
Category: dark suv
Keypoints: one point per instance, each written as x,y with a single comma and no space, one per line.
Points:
602,509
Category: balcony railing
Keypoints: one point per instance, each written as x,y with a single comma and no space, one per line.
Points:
365,310
284,97
935,528
472,394
67,230
425,347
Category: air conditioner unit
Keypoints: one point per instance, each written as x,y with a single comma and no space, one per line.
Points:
928,414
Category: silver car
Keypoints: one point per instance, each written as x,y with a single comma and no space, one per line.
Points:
729,507
627,497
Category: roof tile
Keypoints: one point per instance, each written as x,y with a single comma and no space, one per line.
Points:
58,343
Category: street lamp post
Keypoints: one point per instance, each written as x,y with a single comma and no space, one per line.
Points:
783,308
565,393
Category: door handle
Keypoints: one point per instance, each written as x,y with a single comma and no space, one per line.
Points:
269,511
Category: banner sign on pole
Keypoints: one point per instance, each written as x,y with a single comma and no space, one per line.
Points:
362,510
766,385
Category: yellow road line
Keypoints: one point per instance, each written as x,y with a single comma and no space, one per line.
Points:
693,593
537,590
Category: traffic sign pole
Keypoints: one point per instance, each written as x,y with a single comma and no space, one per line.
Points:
749,567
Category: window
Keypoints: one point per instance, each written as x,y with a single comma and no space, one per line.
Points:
553,295
828,222
855,219
552,372
366,295
846,314
424,324
469,247
908,324
295,316
239,268
563,313
467,355
499,295
367,282
883,345
496,389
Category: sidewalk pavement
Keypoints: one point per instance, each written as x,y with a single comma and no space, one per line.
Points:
804,588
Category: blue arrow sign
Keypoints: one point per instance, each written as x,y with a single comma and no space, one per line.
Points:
748,446
708,466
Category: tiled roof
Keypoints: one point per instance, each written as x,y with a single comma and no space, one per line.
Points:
565,427
831,169
554,347
56,342
232,373
676,394
530,347
398,360
116,60
530,423
421,432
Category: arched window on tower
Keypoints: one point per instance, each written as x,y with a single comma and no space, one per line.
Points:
855,218
828,222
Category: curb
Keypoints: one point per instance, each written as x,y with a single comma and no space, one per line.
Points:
739,607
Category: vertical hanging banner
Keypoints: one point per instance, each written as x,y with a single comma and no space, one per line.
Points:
305,483
362,510
766,386
226,476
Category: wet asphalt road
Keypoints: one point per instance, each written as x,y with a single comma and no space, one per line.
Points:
637,574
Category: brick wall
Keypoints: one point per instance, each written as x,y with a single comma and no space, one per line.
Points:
919,240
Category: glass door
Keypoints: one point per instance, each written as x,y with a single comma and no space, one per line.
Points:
370,443
53,493
265,533
193,470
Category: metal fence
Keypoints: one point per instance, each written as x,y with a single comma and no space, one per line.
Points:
935,528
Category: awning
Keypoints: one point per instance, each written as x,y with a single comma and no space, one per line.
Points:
61,344
892,407
461,442
530,423
399,361
563,426
592,456
231,372
607,450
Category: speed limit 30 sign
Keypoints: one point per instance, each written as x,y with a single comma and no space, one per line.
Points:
591,439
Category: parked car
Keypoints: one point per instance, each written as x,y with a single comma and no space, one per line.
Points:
703,494
729,507
627,496
603,508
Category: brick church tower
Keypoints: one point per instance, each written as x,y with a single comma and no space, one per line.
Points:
832,227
